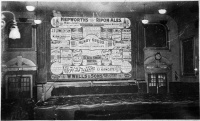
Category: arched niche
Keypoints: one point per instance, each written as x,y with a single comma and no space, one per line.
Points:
157,65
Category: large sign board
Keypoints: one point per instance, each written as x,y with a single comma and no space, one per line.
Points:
90,48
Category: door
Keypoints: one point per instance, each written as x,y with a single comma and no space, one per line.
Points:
157,83
19,87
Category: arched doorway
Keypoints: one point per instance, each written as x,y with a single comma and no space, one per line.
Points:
19,78
157,74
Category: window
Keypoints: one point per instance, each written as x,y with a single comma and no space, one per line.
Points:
188,57
152,80
156,36
157,80
161,80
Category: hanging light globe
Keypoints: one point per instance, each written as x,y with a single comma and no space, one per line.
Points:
30,8
162,11
145,21
38,21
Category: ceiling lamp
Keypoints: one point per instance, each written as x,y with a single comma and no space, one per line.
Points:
30,8
145,21
162,11
38,21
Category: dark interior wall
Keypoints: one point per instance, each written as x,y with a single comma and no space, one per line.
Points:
187,19
43,42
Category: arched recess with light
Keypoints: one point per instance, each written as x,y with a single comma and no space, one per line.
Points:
19,78
171,47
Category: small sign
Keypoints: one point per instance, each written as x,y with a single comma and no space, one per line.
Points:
116,34
60,34
56,68
126,67
91,76
91,42
126,34
90,69
77,33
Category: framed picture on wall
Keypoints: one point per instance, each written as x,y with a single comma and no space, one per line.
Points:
188,63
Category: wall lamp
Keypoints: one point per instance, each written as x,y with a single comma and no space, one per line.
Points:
196,71
10,19
145,21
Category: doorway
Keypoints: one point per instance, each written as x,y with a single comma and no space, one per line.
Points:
157,83
18,86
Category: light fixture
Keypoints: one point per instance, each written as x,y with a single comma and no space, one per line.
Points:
162,11
37,21
30,8
14,31
145,21
196,71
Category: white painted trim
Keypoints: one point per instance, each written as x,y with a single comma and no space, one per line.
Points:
20,68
